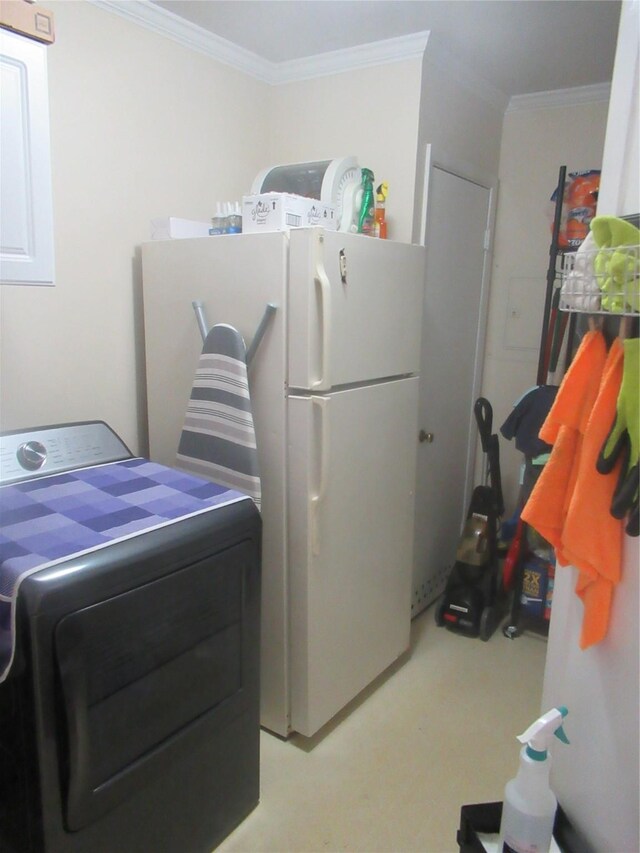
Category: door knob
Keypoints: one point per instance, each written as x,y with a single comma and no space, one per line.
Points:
425,436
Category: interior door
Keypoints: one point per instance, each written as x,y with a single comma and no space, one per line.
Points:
454,311
351,471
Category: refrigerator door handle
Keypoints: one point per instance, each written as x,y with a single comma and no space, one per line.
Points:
322,282
321,404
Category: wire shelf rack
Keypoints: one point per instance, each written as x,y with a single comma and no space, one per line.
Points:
602,281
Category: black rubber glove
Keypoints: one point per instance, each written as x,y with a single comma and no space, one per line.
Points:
623,441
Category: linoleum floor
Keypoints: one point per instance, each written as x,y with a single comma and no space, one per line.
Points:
391,772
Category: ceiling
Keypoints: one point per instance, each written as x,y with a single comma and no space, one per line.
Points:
517,46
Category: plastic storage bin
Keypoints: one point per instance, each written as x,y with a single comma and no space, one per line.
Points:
483,819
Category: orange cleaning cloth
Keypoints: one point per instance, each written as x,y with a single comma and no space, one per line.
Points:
548,505
592,537
570,503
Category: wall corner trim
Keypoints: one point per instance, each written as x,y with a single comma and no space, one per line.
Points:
449,63
165,23
560,98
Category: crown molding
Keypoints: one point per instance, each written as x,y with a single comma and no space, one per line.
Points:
167,24
560,98
352,58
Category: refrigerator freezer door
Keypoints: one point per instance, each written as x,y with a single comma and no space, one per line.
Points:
234,277
351,471
355,307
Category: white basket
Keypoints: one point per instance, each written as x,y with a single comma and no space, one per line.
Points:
603,281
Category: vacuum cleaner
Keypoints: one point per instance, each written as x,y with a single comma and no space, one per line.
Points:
472,603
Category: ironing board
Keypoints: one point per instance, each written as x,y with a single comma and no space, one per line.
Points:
218,439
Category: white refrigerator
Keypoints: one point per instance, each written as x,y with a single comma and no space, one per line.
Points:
334,391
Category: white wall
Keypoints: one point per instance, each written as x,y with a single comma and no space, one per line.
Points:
535,143
372,113
143,127
140,127
462,126
620,189
596,778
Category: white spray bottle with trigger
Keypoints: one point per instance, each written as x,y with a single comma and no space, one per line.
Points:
529,807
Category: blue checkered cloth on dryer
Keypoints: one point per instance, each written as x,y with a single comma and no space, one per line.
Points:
46,521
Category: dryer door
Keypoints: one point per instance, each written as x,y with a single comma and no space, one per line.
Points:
139,671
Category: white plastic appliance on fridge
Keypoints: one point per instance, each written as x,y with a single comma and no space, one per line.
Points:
334,392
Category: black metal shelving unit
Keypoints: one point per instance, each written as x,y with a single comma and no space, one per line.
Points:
554,325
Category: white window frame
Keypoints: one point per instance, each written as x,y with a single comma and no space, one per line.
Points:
26,208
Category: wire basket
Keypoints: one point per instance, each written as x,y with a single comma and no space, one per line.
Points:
603,281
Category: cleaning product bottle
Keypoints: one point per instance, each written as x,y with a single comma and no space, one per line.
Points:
217,221
226,217
368,205
530,805
381,198
235,218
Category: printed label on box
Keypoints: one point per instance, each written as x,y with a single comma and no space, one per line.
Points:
280,211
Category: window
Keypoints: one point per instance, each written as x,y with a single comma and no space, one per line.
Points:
26,219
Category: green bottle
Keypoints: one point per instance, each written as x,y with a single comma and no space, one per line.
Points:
368,206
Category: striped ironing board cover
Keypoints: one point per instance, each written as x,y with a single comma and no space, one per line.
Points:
218,439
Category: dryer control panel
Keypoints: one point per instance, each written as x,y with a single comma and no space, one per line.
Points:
26,454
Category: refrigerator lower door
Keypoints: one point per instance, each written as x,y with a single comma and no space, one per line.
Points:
351,469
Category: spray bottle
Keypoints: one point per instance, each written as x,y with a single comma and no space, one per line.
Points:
367,205
381,199
530,805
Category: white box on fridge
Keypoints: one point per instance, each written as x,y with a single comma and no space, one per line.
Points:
172,227
282,211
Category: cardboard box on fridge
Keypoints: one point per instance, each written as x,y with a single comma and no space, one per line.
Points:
281,211
21,16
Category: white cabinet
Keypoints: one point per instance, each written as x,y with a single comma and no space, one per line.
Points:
26,220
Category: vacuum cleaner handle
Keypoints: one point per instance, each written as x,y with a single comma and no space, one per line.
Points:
494,473
484,418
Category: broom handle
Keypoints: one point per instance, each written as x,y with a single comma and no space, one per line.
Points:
551,278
